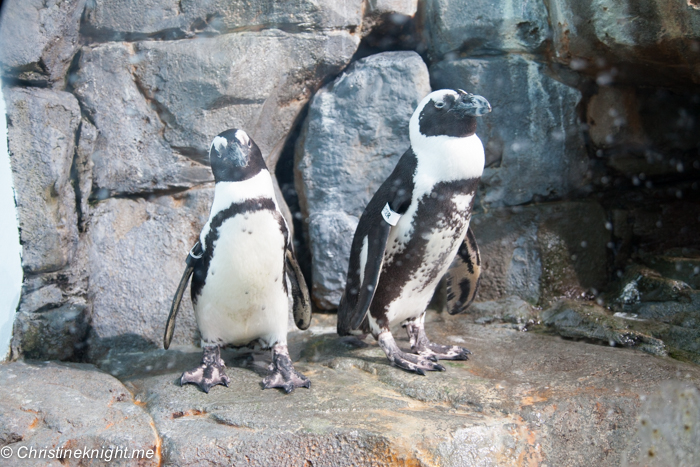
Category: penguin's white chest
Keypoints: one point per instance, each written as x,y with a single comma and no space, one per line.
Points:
243,297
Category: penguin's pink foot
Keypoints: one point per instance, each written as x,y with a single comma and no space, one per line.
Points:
209,373
282,372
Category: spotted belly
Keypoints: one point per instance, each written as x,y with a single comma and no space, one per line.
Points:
420,249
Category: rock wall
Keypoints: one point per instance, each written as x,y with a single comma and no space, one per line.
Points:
593,145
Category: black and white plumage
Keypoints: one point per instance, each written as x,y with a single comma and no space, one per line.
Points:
243,269
415,230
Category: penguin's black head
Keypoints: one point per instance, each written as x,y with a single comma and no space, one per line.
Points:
449,113
234,156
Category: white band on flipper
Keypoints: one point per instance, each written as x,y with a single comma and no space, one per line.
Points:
391,217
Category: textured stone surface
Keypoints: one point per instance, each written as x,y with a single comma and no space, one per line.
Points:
255,81
137,251
543,251
667,430
129,154
534,148
353,136
170,19
41,134
523,398
484,27
640,41
56,334
70,406
39,39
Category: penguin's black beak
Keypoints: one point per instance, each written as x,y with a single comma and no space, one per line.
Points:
471,104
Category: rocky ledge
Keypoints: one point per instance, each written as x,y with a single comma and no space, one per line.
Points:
524,398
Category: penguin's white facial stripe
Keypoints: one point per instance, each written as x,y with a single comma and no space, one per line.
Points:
243,138
219,144
228,193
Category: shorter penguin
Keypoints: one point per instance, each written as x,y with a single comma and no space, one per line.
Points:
415,230
243,270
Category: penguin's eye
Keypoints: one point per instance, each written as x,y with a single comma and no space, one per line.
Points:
439,105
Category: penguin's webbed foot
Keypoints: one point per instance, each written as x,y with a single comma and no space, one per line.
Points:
423,347
209,373
406,361
282,372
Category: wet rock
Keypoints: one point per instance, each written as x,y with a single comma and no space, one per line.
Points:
571,404
39,39
667,432
172,19
484,27
41,135
574,319
640,284
70,406
356,130
534,148
129,154
639,42
202,87
136,257
613,117
57,334
541,252
685,268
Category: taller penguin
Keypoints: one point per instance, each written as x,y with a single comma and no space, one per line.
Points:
243,269
415,230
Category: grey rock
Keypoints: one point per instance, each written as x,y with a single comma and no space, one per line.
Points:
638,42
129,154
39,39
70,406
41,136
667,432
534,147
640,284
484,27
543,251
38,300
257,81
84,167
136,257
58,334
570,318
171,19
353,136
511,401
513,310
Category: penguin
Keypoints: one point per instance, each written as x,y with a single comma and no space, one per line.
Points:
415,230
243,270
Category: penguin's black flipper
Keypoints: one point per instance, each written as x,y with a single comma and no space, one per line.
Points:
390,202
192,259
300,292
464,275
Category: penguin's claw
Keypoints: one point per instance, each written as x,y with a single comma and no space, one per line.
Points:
444,352
209,373
406,361
282,373
426,349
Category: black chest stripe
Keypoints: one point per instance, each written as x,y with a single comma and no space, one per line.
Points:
248,206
